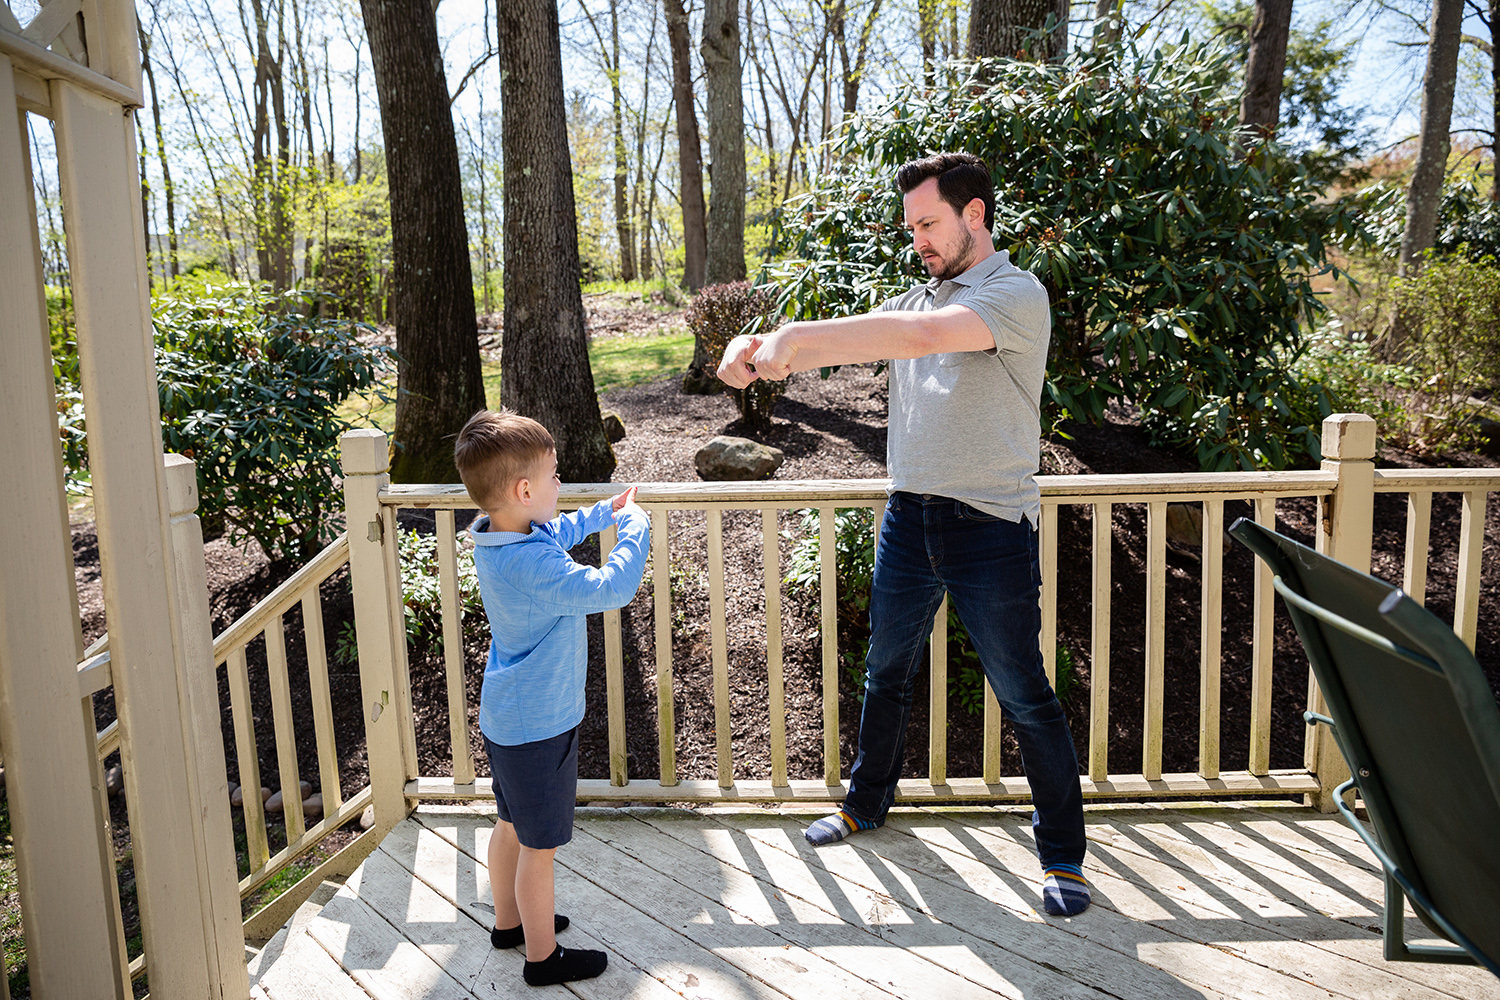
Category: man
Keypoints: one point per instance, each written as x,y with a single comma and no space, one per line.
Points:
968,353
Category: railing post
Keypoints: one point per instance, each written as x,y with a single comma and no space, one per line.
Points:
1345,532
208,784
366,459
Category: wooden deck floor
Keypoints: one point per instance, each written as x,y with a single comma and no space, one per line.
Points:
1242,901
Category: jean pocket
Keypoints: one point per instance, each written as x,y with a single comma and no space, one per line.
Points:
969,513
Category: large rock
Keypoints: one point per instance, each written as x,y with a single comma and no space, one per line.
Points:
736,459
614,427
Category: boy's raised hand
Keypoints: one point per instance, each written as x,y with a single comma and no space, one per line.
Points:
618,502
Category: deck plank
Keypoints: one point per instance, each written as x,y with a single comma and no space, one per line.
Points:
453,843
1215,905
699,920
1218,901
978,938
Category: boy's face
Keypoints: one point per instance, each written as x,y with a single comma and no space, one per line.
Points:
544,487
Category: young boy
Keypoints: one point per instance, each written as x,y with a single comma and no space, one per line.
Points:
531,702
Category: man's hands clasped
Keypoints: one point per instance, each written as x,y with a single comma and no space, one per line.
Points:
749,357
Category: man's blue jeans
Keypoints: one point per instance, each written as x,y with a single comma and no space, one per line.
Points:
928,545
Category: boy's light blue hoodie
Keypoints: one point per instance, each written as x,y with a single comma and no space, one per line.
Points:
536,597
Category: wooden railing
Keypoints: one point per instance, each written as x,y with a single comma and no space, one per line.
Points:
1344,489
265,621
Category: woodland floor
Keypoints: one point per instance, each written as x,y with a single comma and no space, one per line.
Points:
835,428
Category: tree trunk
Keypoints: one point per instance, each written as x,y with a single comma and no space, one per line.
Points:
544,350
1260,108
1494,25
1426,188
1107,22
161,152
432,289
689,149
1002,27
927,28
623,230
726,142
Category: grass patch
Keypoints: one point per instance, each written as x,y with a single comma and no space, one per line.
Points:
616,362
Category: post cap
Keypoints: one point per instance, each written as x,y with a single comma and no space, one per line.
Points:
1349,437
182,484
365,452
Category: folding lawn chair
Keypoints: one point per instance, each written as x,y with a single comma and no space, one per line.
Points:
1417,723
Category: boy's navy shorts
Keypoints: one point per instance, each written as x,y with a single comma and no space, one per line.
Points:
536,785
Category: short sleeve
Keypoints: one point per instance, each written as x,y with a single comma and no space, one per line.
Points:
1015,308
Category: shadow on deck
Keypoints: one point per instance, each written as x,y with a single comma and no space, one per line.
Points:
1240,900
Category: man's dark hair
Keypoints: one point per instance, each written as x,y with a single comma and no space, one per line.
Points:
961,177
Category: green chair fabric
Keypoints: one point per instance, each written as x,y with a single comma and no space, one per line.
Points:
1420,729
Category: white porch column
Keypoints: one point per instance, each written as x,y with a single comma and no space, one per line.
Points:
106,252
64,867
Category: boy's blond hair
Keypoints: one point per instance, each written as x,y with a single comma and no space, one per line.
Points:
496,448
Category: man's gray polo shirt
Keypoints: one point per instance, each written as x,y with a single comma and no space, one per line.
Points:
968,425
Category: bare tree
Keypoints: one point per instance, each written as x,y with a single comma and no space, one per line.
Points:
609,59
689,148
161,151
1432,154
854,72
544,352
1260,107
432,289
726,142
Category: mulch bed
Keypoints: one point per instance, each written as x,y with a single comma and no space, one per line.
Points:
830,429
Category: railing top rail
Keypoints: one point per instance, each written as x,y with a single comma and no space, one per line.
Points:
791,492
1438,480
281,600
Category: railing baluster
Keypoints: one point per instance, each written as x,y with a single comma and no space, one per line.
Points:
1099,644
1048,635
394,594
453,647
1210,636
1262,644
614,675
771,558
1156,632
1418,534
937,744
661,587
316,641
720,644
286,733
990,766
828,592
1470,553
248,757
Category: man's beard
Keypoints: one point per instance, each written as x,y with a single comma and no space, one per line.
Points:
954,260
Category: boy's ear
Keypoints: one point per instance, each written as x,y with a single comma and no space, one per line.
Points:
520,491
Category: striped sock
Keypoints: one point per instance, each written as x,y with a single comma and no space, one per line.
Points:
1065,892
832,829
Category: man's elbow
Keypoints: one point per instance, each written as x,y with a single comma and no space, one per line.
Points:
922,335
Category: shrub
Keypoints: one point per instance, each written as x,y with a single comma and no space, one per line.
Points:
717,315
421,597
250,391
1455,349
1179,270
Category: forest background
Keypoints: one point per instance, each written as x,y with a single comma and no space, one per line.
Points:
284,141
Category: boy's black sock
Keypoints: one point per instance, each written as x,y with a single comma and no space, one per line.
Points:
564,967
512,937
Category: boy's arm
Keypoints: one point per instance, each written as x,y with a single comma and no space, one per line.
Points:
563,586
575,526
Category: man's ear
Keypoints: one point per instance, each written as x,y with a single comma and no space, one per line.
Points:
974,211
